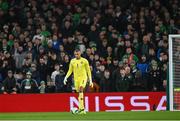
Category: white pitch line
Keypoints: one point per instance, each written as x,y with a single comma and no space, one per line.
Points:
90,119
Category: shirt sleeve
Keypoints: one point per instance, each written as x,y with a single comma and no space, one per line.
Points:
70,70
88,70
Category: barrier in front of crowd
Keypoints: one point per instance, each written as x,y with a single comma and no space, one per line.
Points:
63,102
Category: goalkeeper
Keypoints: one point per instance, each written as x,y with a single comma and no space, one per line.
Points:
82,73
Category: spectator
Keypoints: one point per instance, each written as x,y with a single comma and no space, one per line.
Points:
143,65
145,45
55,43
19,57
105,81
26,64
41,53
31,50
129,76
50,88
164,77
130,56
42,87
115,64
138,84
154,82
109,65
60,87
120,49
42,68
110,54
52,60
10,60
29,85
67,28
55,72
9,84
151,55
115,76
19,77
4,68
71,44
99,73
66,63
35,73
93,34
122,82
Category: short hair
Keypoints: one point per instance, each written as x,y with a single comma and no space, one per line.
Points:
10,71
77,50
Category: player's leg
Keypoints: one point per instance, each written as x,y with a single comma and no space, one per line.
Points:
81,97
79,90
76,85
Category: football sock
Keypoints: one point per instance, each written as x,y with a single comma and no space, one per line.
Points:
81,100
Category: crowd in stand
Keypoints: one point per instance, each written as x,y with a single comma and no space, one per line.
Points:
126,45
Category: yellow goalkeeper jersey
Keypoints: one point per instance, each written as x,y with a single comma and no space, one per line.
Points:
80,68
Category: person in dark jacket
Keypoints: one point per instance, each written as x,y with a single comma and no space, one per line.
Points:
105,81
129,76
50,88
154,81
143,66
60,87
29,85
122,83
35,73
138,83
115,75
9,84
42,68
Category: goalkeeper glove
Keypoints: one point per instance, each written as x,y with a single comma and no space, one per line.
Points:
65,80
90,83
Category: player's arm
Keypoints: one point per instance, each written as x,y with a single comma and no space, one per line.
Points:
88,70
69,72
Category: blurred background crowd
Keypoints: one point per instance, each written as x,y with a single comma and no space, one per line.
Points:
125,42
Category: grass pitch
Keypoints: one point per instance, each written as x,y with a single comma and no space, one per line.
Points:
95,116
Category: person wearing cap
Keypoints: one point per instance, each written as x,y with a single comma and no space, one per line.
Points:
79,66
9,84
29,85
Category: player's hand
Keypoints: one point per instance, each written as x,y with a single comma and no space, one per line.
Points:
65,81
90,83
